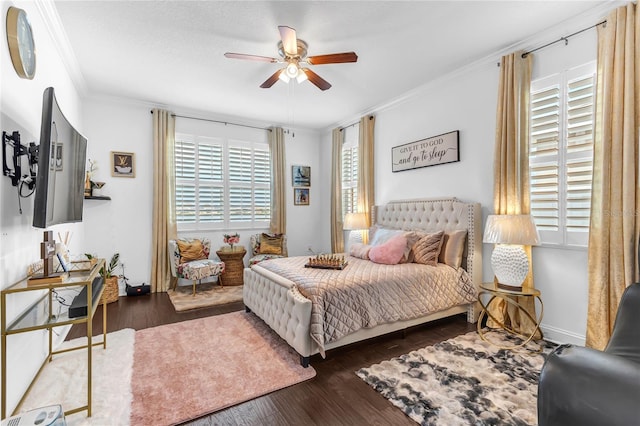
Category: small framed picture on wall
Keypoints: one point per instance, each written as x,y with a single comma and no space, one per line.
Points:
300,176
123,164
301,196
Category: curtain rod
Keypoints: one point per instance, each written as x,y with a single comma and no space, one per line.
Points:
353,124
218,121
565,39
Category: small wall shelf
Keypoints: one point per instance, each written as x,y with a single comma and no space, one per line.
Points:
97,197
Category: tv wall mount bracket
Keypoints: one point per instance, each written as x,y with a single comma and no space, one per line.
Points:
19,150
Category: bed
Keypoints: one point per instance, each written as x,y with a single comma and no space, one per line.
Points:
275,290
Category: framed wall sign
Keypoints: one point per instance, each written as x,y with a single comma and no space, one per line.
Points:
123,164
300,176
300,196
427,152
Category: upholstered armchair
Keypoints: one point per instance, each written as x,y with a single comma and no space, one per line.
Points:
583,386
190,260
273,247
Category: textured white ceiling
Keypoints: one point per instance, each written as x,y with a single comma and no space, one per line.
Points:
171,52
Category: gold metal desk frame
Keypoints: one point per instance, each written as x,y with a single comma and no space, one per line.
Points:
29,320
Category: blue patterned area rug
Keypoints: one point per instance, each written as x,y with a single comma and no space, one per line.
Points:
463,381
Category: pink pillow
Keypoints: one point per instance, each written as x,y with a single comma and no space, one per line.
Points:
389,252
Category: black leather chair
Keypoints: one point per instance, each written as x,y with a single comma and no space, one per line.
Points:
583,386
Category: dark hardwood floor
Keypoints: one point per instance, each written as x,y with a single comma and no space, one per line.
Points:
336,396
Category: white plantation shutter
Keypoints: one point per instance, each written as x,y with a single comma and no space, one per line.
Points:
240,205
221,181
349,180
544,143
561,155
350,171
261,185
580,110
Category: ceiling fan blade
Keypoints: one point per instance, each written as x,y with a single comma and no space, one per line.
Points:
320,82
249,57
333,58
271,80
289,40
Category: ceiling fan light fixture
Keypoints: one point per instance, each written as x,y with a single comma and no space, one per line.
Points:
284,77
302,76
292,70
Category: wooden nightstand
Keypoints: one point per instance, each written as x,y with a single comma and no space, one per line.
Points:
233,265
510,297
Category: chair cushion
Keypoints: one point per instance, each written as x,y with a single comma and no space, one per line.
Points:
199,269
270,244
190,250
260,257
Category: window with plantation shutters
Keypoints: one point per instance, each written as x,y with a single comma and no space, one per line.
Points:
221,183
561,155
350,171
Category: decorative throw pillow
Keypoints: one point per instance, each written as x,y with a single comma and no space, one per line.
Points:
372,232
271,244
412,238
360,250
390,252
452,248
427,249
383,235
190,250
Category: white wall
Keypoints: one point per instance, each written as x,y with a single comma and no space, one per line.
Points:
21,108
124,224
305,223
466,101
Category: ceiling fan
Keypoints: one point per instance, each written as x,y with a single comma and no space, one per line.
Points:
293,53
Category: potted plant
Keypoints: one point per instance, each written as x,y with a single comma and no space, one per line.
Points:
107,272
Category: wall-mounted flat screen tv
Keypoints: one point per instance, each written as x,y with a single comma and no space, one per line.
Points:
61,167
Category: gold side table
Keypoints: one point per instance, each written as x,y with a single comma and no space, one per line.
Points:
510,297
233,265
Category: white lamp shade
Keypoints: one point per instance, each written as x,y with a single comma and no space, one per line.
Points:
284,77
518,229
355,221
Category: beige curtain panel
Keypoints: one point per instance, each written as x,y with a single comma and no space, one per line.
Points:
164,195
278,172
366,190
337,236
511,171
615,217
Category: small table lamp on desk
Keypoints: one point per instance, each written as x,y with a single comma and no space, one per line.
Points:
510,232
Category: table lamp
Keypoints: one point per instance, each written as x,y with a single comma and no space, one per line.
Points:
509,261
355,222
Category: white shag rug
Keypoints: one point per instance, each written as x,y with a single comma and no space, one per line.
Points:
112,368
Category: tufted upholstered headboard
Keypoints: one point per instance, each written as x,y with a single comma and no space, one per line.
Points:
435,214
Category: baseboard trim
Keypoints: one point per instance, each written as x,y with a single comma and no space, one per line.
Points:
558,335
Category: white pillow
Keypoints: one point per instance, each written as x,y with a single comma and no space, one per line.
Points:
382,235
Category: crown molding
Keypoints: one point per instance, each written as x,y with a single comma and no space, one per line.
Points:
587,18
51,19
181,110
